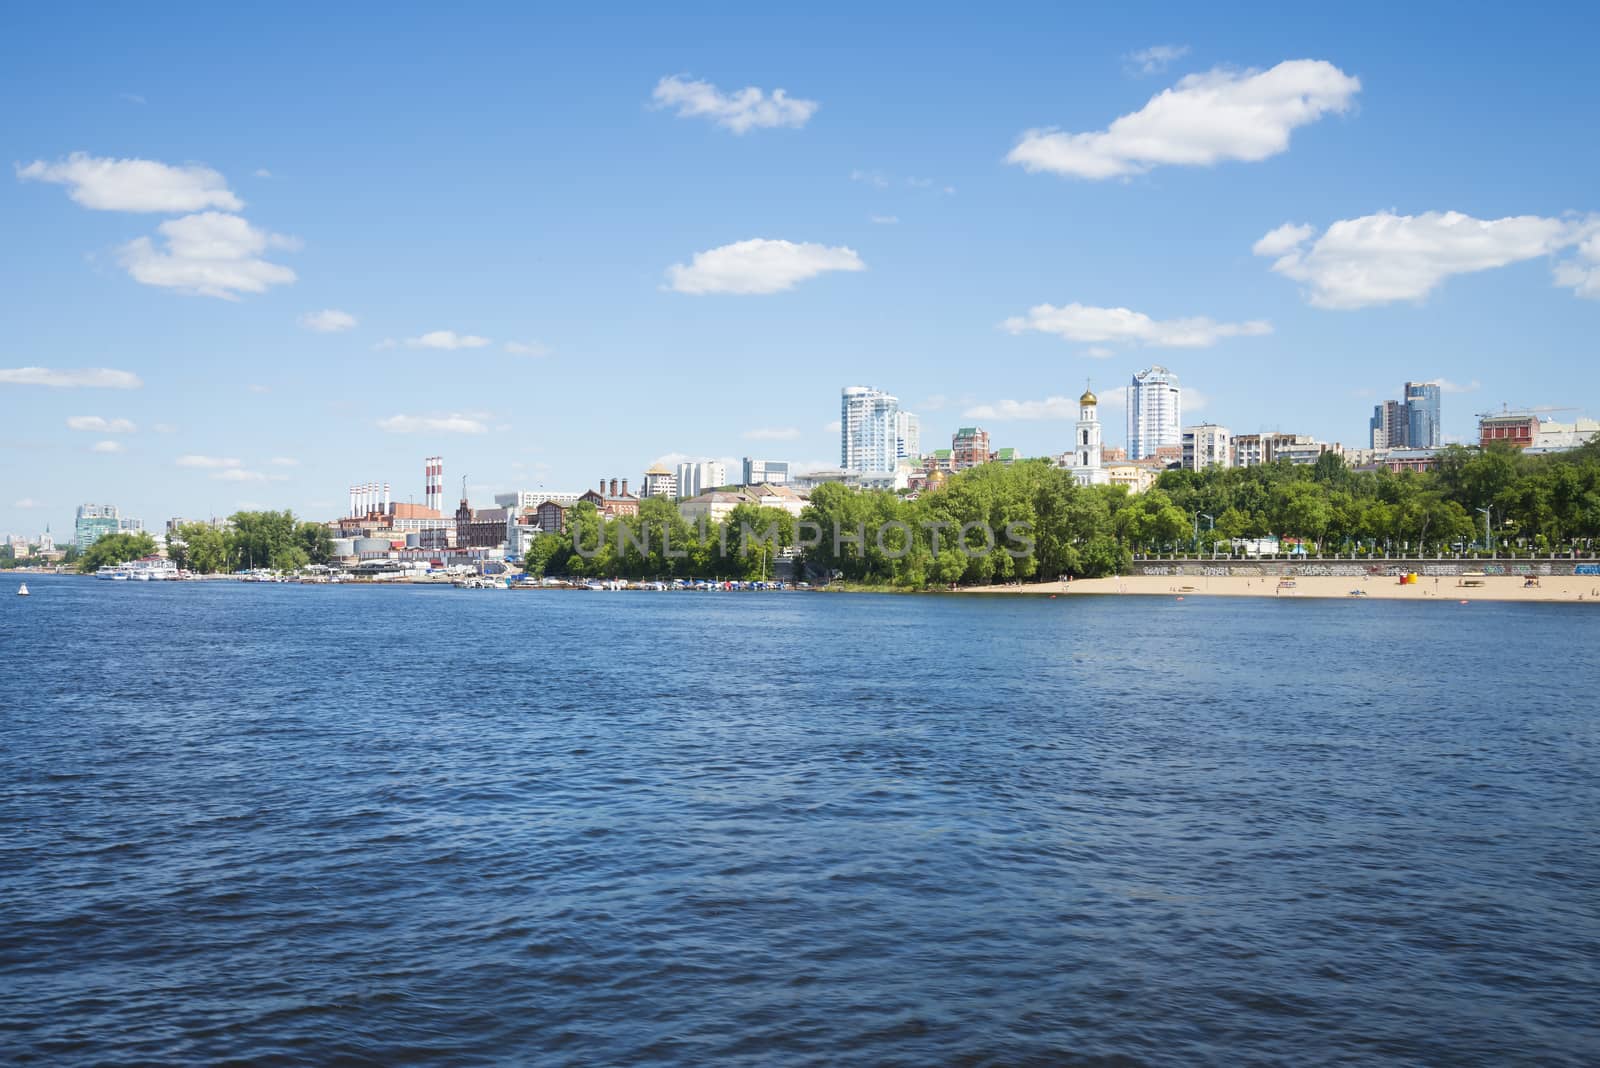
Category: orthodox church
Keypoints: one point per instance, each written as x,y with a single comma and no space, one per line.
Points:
1084,460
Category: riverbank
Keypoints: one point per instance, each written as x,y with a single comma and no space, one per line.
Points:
1564,589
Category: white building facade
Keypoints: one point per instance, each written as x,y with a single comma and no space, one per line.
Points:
1155,412
1207,445
872,432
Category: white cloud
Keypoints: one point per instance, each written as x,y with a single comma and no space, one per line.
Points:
423,424
1582,274
781,433
831,427
238,474
1080,322
1447,386
164,428
257,387
932,404
748,109
262,172
194,460
88,378
1383,258
876,179
101,425
1156,58
1207,118
28,502
211,254
328,321
527,348
106,446
1281,240
134,184
446,339
132,98
884,220
1005,410
759,266
1099,352
284,461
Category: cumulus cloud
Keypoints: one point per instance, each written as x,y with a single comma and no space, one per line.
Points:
428,424
1582,273
239,474
328,321
742,111
446,339
211,254
134,184
1007,410
106,446
195,460
527,348
88,378
1080,322
778,433
759,266
1053,407
1156,58
101,425
1206,119
1385,257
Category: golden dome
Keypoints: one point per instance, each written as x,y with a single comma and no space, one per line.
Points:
1088,398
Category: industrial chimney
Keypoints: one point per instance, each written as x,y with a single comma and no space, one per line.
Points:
624,487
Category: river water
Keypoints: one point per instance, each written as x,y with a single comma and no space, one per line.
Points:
285,824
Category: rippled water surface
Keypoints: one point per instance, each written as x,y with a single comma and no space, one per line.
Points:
429,826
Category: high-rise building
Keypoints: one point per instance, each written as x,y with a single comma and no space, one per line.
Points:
1389,426
907,436
697,476
1422,415
870,430
95,521
757,472
969,447
1155,412
1207,445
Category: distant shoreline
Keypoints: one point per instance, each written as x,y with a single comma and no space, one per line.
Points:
1554,589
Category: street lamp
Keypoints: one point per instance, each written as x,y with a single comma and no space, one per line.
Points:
1211,525
1488,534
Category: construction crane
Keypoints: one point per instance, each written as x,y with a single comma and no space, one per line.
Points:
1506,409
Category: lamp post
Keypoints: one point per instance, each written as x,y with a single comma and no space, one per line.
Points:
1488,534
1211,525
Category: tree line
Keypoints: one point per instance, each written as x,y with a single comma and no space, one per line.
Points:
275,540
957,534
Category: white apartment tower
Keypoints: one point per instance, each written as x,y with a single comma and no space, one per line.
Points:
871,431
1155,412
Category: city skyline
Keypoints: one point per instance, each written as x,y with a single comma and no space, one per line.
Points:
214,306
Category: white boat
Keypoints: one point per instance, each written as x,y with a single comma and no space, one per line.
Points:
22,590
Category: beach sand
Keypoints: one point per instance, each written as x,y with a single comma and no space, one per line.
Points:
1566,589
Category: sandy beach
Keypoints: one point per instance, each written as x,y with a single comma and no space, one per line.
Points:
1566,589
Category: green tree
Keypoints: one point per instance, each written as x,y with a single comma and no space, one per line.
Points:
116,549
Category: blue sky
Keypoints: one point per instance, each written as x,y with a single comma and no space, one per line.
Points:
512,175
